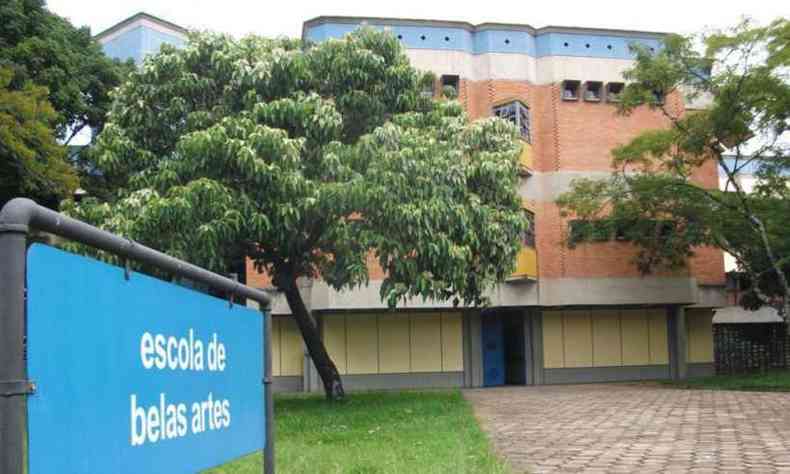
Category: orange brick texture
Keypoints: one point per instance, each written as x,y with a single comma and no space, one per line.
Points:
579,136
574,136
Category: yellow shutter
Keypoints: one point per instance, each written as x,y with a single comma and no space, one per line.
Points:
394,343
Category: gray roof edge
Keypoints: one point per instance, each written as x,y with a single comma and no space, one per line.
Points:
139,16
355,20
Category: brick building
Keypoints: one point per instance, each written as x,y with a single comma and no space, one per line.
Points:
566,315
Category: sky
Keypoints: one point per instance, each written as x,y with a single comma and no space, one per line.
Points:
274,18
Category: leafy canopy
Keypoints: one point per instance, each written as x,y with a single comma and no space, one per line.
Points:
655,191
32,163
308,159
44,48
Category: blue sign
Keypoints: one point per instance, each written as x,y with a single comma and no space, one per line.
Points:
138,375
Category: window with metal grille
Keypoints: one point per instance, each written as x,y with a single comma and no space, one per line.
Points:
516,113
529,234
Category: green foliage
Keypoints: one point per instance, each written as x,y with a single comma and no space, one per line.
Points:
308,159
32,163
382,433
769,381
43,48
742,72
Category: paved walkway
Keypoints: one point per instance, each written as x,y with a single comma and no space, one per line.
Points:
635,428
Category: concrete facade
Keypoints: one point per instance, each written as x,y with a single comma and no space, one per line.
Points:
583,314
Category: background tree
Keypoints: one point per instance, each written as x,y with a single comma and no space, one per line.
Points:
41,48
45,49
308,160
32,163
652,196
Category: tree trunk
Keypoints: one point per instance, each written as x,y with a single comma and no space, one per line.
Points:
333,386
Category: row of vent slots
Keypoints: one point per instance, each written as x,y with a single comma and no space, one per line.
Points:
570,89
593,91
507,41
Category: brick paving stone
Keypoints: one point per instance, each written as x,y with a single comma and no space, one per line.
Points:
616,428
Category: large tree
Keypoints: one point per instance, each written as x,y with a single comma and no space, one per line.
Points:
653,198
32,163
308,159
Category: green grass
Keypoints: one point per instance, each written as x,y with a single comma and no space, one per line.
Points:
376,432
771,381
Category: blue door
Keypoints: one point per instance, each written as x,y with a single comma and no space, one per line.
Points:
493,350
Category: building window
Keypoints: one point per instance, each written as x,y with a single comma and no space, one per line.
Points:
613,91
592,91
452,81
659,97
570,90
428,90
621,232
581,230
516,113
529,234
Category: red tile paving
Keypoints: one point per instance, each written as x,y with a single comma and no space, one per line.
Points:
629,428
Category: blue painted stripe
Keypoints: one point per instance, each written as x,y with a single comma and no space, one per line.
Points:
594,46
493,41
496,41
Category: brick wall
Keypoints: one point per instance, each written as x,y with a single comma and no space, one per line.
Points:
255,278
579,136
576,136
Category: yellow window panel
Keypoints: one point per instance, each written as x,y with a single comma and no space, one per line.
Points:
452,342
292,349
659,350
636,337
525,158
276,347
526,263
699,323
335,340
553,352
363,343
394,343
577,332
426,342
607,344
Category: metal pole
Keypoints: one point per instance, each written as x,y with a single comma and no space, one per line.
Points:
27,213
268,398
14,386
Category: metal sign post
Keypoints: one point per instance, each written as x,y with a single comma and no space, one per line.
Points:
17,219
268,451
13,373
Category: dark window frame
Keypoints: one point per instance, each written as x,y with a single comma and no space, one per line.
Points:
572,86
517,113
529,233
597,88
429,90
451,80
611,95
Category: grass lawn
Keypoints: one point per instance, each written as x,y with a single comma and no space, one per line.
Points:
771,381
377,432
